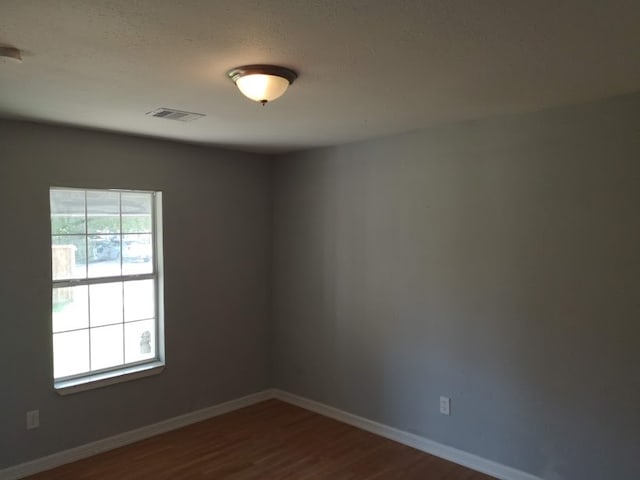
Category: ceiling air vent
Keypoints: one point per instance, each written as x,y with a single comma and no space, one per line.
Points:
178,115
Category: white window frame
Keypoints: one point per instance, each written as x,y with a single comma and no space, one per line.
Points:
128,371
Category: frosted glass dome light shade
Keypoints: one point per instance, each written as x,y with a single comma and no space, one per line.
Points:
262,83
262,88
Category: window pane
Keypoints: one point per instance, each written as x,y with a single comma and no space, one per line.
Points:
68,257
103,224
104,253
139,341
106,303
136,212
67,211
139,300
137,253
103,248
70,353
102,234
103,212
106,347
70,308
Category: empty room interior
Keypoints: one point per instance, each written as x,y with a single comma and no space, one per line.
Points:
314,240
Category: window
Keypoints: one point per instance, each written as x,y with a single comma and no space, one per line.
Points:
106,315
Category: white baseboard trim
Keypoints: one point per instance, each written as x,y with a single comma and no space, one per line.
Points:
93,448
494,469
454,455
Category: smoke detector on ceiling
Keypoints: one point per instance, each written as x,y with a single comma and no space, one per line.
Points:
10,53
179,115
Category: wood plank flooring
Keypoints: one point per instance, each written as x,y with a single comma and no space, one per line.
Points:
271,440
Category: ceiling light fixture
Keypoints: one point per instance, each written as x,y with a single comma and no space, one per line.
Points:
262,83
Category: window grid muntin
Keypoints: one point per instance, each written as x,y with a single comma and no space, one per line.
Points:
113,279
122,284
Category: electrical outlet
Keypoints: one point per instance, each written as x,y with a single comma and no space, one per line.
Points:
445,405
33,419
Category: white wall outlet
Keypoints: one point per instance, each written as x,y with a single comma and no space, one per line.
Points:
33,419
445,405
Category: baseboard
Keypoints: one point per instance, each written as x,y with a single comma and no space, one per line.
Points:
479,464
84,451
494,469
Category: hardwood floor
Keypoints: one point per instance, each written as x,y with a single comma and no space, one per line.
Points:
271,440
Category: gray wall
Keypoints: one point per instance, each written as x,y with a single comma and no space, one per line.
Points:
217,237
496,262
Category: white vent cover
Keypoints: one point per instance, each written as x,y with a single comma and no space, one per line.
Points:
179,115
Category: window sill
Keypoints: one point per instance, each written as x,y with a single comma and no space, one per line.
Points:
100,380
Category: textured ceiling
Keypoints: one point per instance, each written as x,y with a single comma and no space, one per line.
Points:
367,67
